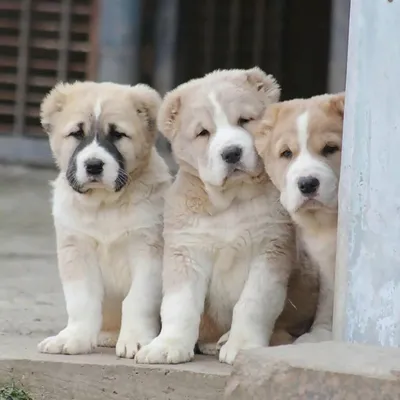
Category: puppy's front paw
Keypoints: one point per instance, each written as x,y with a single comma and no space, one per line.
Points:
129,343
231,348
315,336
165,351
68,342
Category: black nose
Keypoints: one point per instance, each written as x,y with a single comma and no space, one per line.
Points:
232,155
94,166
308,185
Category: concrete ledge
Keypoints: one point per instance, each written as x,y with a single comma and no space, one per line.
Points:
327,370
102,376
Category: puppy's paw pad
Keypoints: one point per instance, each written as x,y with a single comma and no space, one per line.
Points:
165,352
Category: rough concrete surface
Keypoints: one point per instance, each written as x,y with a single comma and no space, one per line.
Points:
323,371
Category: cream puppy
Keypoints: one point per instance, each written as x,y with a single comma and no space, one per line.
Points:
228,241
107,208
300,142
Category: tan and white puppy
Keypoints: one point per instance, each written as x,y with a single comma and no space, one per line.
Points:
228,240
300,142
107,209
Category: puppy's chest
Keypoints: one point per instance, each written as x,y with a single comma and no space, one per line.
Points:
242,225
322,247
108,224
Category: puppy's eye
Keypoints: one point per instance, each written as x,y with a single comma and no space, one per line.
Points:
329,149
78,133
287,154
243,121
115,133
203,133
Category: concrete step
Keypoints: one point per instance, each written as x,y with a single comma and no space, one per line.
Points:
103,376
324,371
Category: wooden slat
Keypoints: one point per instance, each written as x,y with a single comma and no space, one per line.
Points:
54,26
53,44
10,5
55,7
8,61
51,65
8,95
8,109
40,81
9,23
234,14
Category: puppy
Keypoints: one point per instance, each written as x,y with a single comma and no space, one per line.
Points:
107,208
228,240
300,142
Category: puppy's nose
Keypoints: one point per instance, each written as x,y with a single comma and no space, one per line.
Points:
308,185
232,154
94,166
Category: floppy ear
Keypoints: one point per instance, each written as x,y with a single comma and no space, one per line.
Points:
336,103
52,104
263,131
147,101
264,83
168,114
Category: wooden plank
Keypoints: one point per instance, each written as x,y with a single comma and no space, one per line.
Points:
22,67
54,44
54,26
56,7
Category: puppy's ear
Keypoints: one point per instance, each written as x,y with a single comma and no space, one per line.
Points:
167,117
147,102
264,83
336,103
52,104
263,131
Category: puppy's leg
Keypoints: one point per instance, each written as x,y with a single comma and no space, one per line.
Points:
141,307
83,291
185,282
261,302
321,330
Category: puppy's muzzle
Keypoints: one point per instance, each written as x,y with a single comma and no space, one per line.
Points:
94,167
308,185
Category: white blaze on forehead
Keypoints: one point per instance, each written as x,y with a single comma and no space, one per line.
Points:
302,131
97,109
220,118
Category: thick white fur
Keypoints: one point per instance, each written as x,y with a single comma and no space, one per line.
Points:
110,253
221,249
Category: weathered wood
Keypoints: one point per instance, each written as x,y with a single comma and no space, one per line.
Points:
367,295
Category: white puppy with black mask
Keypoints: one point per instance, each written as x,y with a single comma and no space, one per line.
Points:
107,209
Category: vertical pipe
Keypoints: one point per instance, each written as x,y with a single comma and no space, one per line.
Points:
119,41
166,44
22,68
367,287
338,45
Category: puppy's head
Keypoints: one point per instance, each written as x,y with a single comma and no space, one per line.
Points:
208,121
100,132
300,143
